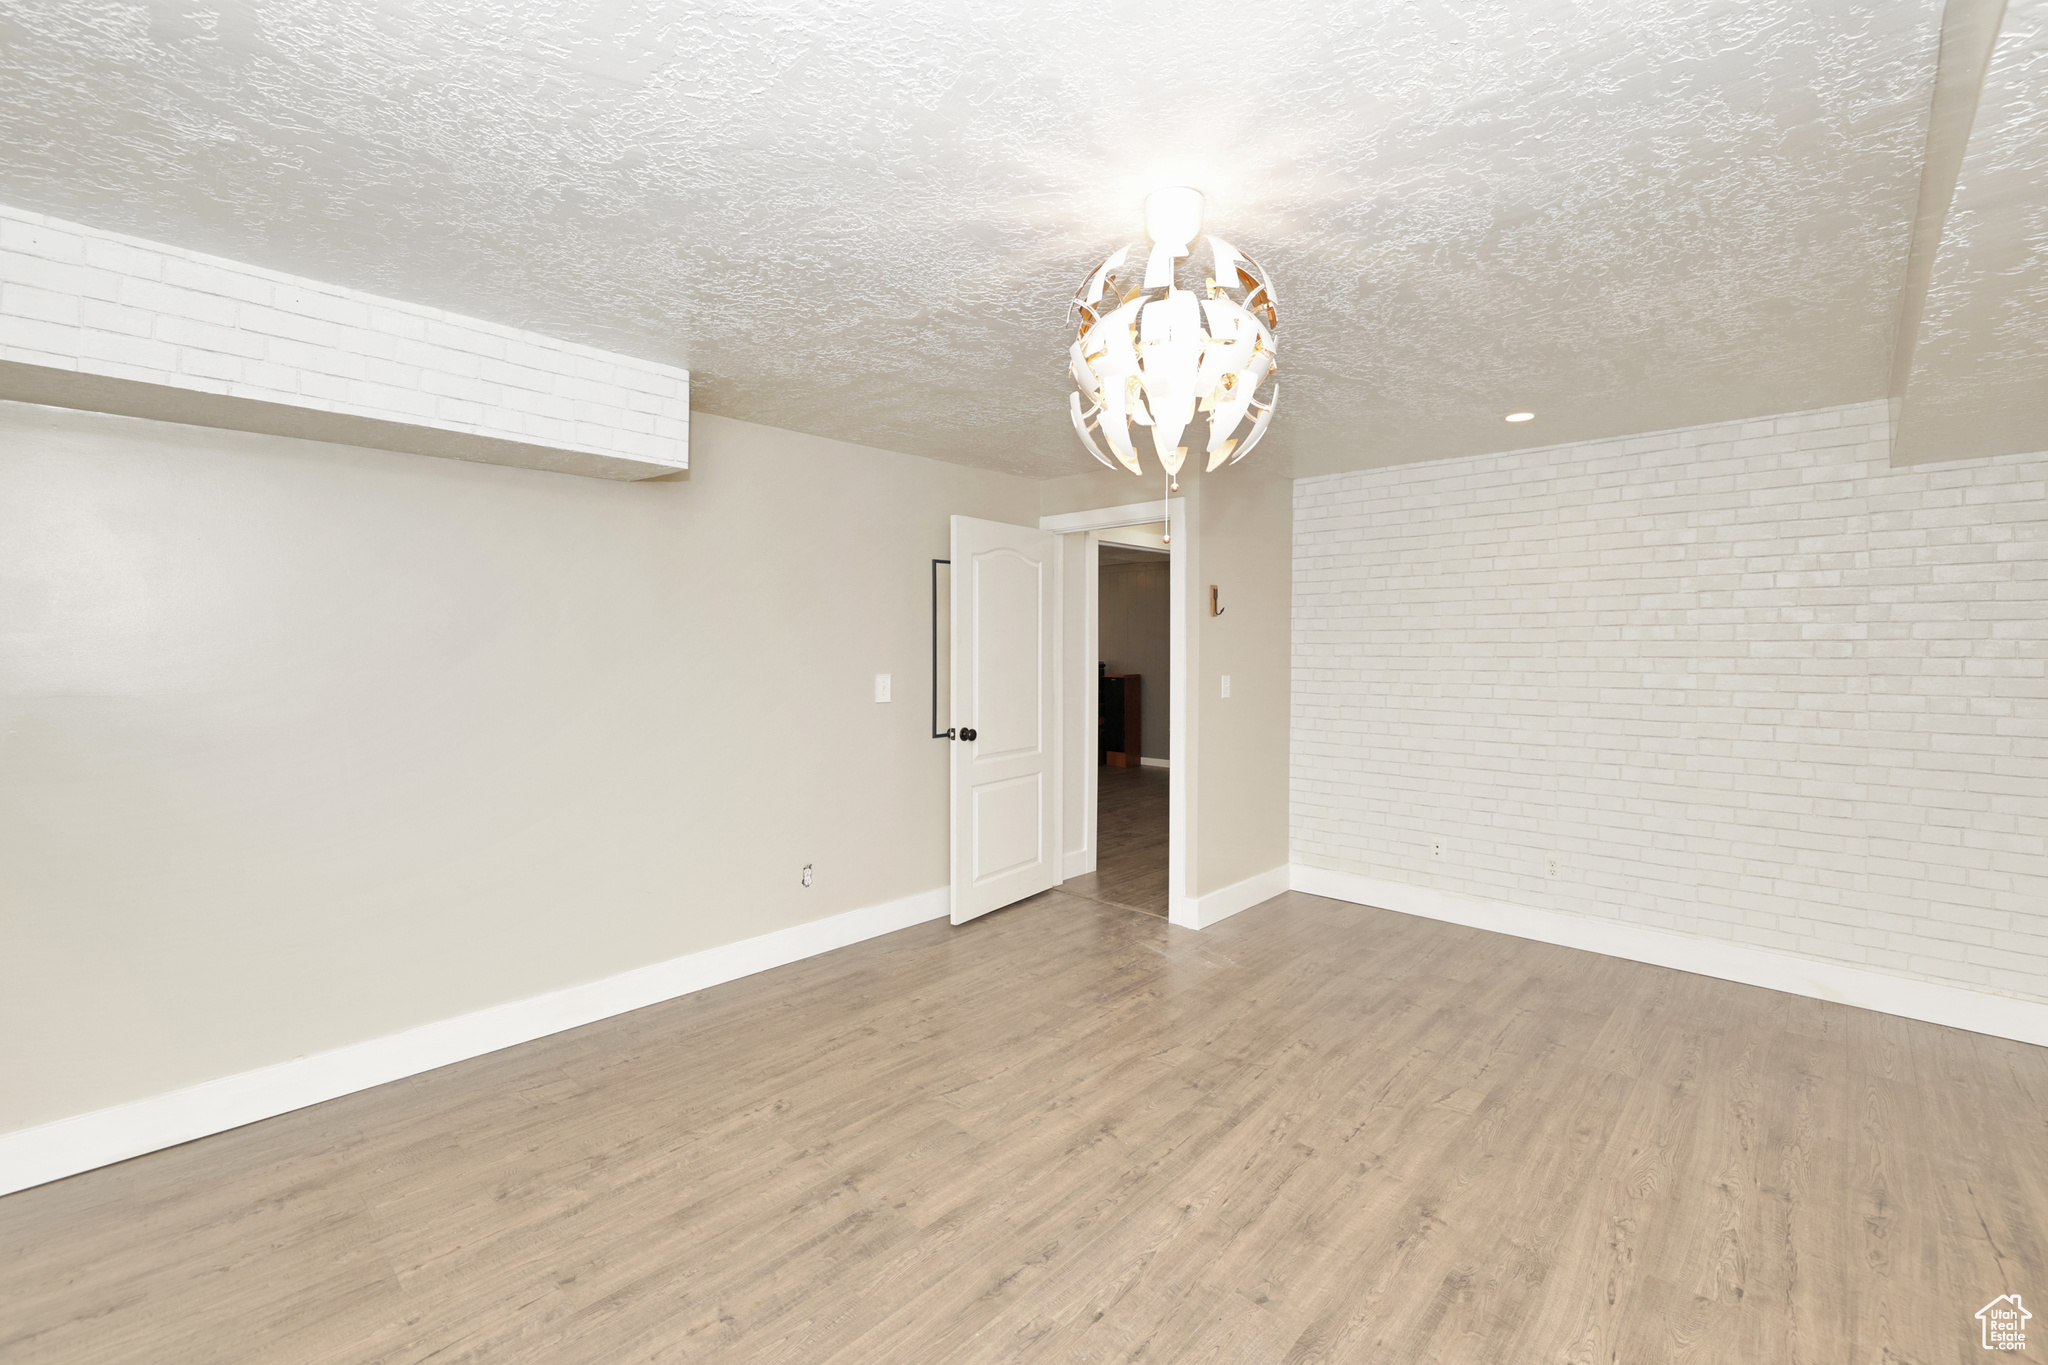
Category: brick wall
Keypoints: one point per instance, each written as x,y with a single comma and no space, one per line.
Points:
75,298
1745,682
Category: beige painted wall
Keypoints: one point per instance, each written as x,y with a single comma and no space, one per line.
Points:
1135,620
303,744
1243,539
1150,536
1096,487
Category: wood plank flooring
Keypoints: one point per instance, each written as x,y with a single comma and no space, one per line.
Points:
1069,1133
1130,825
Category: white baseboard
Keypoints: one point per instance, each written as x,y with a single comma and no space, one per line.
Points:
2001,1016
33,1156
1155,763
1220,905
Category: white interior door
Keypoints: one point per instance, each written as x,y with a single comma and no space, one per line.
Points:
1005,796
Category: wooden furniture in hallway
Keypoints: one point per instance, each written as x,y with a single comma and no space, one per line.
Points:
1120,720
1070,1133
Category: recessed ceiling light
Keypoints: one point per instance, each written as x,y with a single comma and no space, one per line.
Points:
1520,416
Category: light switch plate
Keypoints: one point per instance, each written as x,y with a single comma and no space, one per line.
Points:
882,687
1226,684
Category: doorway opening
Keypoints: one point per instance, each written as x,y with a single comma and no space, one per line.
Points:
1025,719
1111,826
1133,720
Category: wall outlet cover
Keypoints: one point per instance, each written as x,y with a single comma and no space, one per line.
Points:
882,686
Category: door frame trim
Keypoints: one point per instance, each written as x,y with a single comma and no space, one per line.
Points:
1180,785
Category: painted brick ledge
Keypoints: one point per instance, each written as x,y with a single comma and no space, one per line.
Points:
111,323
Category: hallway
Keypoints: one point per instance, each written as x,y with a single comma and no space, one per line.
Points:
1130,869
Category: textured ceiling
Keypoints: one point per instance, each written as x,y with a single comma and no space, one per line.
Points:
866,220
1979,383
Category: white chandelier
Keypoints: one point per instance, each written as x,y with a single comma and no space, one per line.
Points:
1147,353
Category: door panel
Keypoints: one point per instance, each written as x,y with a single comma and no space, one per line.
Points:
1004,801
1010,673
1006,831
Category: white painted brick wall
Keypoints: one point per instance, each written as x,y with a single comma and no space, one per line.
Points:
1746,682
76,298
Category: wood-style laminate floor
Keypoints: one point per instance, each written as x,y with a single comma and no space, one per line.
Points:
1068,1133
1130,832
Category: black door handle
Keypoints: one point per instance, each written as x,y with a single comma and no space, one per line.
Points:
967,734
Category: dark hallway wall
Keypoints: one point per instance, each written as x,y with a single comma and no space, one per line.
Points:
1133,607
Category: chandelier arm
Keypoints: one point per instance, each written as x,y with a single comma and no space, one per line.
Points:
1265,282
1093,288
1081,423
1265,419
1159,267
1116,429
1171,351
1226,257
1085,378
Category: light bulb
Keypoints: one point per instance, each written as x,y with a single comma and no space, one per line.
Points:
1173,216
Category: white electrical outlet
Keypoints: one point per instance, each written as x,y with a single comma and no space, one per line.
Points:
881,687
1226,684
1551,868
1436,849
807,874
